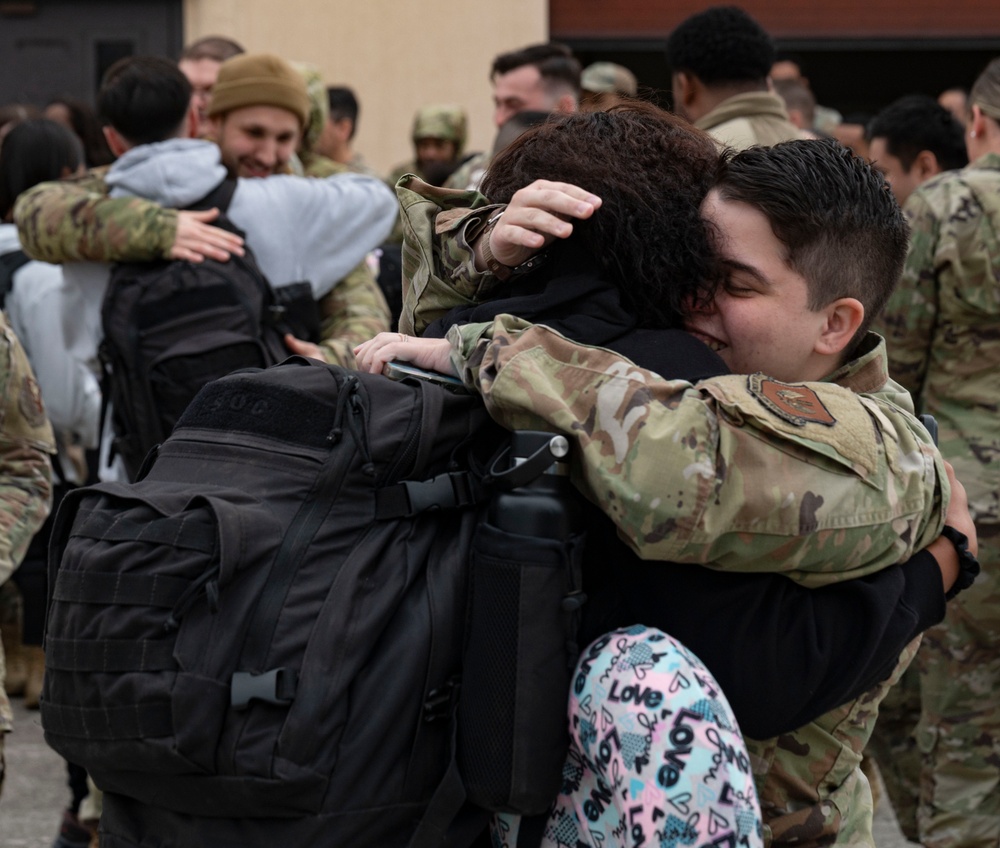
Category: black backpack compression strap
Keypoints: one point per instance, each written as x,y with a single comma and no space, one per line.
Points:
9,263
219,197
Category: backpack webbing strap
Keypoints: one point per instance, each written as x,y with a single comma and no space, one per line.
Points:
9,263
110,655
119,589
444,806
151,720
176,531
219,197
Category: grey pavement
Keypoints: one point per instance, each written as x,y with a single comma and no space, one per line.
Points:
35,791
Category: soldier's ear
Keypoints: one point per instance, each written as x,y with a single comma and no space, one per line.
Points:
115,141
843,318
927,165
191,121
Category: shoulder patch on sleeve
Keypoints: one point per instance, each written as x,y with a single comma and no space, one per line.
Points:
796,404
29,401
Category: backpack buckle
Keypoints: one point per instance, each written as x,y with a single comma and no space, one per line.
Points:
446,491
276,686
441,702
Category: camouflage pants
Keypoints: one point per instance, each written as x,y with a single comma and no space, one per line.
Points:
894,747
959,731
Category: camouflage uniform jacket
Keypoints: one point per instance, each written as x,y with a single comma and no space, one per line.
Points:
821,481
845,498
26,440
76,220
940,323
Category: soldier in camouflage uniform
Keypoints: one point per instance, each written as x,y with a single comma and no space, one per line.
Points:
26,440
810,787
438,136
940,326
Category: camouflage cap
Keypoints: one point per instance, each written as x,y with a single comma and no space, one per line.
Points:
319,106
447,121
602,77
259,79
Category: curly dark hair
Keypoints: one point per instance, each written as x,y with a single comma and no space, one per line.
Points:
723,44
652,171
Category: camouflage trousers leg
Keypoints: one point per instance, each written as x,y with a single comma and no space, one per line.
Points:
655,757
959,731
894,747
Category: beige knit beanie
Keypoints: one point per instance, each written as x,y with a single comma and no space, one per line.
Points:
259,79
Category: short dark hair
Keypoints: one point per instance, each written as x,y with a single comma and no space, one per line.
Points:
555,62
35,151
836,215
343,104
145,98
87,126
652,171
215,47
915,123
721,45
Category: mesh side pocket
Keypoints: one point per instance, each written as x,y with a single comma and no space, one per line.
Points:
512,730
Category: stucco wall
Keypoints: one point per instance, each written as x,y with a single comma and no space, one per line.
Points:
396,54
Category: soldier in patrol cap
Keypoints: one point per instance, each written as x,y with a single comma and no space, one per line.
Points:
603,84
26,440
439,133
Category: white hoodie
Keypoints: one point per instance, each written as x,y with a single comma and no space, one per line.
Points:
34,307
299,228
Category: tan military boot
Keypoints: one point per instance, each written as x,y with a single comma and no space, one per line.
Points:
36,670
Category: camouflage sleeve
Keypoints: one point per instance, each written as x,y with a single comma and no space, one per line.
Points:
910,316
74,220
439,271
26,441
739,473
353,312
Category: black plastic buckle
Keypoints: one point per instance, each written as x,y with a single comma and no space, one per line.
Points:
441,702
276,686
446,491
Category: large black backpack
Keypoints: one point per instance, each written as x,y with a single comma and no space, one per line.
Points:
261,641
170,327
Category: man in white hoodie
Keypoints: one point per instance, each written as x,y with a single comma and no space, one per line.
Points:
300,229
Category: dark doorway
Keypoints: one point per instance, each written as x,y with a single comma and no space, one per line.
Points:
61,48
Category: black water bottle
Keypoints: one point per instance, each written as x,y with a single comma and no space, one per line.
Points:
526,575
547,506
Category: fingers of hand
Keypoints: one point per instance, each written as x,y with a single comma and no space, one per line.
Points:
560,198
374,353
302,348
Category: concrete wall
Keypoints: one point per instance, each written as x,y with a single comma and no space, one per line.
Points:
397,55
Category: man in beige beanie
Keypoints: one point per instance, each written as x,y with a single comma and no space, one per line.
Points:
259,109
